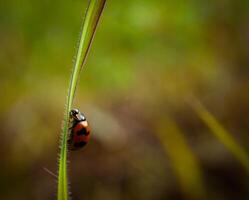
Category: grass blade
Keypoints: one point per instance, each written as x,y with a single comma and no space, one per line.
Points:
93,13
183,161
222,134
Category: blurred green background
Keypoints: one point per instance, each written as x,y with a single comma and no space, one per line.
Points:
148,59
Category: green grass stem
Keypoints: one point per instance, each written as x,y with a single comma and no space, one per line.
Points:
93,13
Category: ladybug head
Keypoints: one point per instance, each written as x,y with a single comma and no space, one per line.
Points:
77,115
74,112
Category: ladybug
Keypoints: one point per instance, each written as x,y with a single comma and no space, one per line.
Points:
79,134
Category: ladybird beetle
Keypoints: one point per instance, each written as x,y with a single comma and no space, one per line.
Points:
79,134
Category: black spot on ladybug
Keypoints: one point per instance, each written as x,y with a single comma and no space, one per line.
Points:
79,144
82,132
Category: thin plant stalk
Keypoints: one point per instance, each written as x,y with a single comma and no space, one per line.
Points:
182,159
92,16
222,134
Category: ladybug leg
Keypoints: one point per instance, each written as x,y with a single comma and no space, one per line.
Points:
69,138
72,125
70,132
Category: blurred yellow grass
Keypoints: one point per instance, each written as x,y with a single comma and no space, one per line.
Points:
222,134
184,163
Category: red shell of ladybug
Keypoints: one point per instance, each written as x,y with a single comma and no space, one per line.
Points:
80,132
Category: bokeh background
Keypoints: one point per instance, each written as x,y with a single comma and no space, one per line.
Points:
149,63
